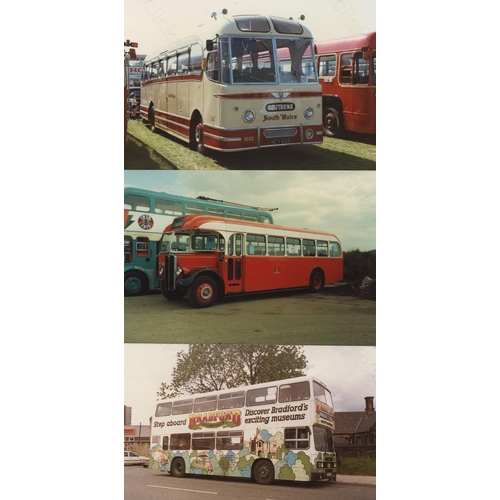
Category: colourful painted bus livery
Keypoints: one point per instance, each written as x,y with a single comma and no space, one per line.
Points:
281,430
210,257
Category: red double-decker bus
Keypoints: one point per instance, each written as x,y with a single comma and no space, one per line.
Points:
347,73
209,257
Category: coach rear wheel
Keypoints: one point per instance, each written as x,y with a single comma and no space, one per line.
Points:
151,118
198,138
263,472
331,122
317,281
203,292
178,468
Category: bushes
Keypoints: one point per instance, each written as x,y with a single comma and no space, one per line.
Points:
358,265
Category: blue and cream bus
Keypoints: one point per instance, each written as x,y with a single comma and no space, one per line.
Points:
147,213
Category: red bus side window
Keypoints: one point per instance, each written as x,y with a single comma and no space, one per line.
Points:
346,68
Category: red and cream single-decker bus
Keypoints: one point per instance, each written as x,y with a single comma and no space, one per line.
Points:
208,257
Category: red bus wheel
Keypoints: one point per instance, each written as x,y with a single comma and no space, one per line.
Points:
331,122
317,281
203,292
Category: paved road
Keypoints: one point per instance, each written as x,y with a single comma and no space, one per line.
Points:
146,484
282,318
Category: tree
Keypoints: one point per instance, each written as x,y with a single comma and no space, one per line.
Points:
212,367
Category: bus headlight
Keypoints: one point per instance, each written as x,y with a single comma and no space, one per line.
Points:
161,271
309,134
309,113
249,115
179,271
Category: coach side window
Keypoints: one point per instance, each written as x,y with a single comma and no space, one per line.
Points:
195,58
213,66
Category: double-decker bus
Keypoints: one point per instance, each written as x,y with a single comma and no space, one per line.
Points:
281,430
227,88
209,257
347,73
147,214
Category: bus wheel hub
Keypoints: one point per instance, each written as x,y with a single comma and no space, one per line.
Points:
205,292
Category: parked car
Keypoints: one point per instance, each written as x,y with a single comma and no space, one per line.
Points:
132,458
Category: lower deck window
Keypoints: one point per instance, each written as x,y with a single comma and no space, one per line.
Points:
297,438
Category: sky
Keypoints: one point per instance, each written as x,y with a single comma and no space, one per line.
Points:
349,372
148,24
340,202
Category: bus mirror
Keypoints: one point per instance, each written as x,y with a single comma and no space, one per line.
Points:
210,45
221,256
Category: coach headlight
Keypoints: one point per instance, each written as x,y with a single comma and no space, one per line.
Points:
249,115
309,134
309,113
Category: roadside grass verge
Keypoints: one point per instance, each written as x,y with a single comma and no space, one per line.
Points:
357,467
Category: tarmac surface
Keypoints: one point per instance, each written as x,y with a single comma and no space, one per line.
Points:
361,480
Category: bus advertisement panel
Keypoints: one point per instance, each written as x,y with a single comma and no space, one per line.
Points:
210,257
280,430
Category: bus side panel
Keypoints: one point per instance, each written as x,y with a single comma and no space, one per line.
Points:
362,119
261,274
210,108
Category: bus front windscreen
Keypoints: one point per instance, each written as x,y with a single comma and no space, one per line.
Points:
323,439
175,242
322,394
267,60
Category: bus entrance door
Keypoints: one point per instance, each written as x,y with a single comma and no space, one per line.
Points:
233,269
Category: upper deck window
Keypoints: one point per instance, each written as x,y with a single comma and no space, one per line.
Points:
257,24
287,27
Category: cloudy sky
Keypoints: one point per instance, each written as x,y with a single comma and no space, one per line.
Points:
148,24
349,372
342,203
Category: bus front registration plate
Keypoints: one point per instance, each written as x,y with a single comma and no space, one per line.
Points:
287,140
